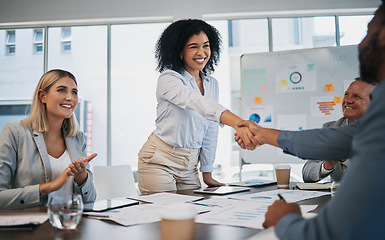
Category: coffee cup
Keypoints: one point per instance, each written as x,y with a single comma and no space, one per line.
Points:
178,222
282,172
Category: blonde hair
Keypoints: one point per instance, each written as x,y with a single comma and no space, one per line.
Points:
37,119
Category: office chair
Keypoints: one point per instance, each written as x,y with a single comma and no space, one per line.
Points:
114,181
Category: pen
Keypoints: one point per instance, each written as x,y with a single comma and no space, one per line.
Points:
96,215
281,198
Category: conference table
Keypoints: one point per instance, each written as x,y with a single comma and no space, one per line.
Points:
90,228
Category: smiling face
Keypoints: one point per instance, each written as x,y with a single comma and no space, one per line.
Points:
356,100
61,99
196,53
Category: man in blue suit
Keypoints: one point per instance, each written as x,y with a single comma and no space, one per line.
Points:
354,104
357,209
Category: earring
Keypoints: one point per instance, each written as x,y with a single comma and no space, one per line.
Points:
181,57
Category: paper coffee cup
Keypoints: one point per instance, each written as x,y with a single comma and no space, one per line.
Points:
178,222
282,173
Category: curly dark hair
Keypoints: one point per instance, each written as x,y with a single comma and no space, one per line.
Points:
174,38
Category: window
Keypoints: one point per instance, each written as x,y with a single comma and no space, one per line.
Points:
353,28
248,36
19,72
66,39
89,65
10,42
306,32
133,81
38,40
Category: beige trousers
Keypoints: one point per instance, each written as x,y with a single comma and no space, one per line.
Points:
162,167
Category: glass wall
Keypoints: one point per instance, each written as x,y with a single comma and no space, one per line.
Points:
133,84
353,28
20,70
83,52
306,32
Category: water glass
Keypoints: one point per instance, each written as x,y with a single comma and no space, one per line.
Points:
65,211
333,188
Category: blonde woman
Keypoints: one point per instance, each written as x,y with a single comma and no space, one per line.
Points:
45,152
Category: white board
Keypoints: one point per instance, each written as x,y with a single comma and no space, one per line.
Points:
291,90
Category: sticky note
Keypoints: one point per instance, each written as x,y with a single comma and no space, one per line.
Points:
283,83
329,87
338,100
262,88
258,100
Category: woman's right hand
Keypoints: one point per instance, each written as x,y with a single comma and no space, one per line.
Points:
246,137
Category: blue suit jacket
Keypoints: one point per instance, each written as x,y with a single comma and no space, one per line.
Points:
311,171
357,210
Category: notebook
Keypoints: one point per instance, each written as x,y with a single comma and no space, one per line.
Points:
314,186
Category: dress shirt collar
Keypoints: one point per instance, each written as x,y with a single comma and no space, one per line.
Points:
188,76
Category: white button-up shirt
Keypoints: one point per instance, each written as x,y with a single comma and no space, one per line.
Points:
187,119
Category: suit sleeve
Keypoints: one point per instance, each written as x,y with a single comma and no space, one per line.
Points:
12,198
317,144
87,189
311,171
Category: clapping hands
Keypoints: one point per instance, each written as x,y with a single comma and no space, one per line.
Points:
76,168
79,166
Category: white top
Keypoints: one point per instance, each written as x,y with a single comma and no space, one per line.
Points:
58,165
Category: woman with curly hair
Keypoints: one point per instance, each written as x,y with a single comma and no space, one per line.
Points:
188,111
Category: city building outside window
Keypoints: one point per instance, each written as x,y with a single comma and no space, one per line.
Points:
38,40
66,39
10,42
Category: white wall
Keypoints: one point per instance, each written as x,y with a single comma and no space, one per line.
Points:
52,10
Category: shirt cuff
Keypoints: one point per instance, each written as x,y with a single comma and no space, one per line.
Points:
218,115
324,172
206,168
285,141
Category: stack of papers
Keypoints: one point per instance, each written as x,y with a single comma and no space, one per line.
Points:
165,198
22,221
247,210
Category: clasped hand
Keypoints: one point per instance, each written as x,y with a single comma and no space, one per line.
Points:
248,135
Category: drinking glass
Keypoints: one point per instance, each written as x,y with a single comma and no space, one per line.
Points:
65,211
333,188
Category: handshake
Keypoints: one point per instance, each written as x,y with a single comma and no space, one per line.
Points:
249,135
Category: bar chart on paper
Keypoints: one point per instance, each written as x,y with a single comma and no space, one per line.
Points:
244,214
